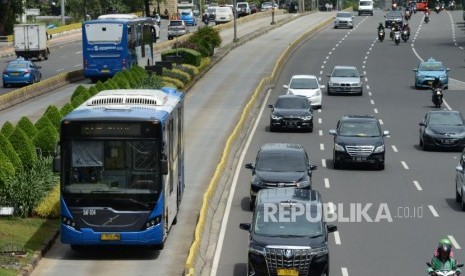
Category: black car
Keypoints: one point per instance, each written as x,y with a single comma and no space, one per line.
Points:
442,129
358,139
288,245
393,16
280,165
291,112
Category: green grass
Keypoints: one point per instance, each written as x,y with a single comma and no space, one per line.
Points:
23,234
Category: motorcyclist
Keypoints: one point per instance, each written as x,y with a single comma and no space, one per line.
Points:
380,27
444,261
436,83
394,28
427,11
406,27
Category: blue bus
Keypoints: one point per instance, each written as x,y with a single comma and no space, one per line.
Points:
121,164
112,43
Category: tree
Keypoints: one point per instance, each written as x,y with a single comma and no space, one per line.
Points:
8,11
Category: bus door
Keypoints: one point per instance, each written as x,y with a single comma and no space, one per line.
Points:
171,187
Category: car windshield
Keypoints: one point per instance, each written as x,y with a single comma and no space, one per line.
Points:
242,5
292,103
17,65
344,14
359,129
304,84
211,10
394,14
345,73
431,66
446,118
281,162
185,13
365,3
276,221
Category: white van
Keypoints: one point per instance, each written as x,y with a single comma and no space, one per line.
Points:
365,7
223,15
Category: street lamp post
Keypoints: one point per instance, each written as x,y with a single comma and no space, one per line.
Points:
272,13
63,12
235,16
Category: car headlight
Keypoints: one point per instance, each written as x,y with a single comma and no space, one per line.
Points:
275,117
307,118
317,93
338,147
429,132
442,77
379,149
319,251
302,184
257,249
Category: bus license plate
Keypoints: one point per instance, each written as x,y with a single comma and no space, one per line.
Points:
287,272
110,237
105,71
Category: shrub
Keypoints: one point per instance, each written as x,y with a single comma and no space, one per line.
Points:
27,126
54,115
43,122
77,101
24,147
206,61
86,95
190,69
94,91
78,91
152,82
26,189
49,206
188,45
99,86
136,77
123,83
7,129
189,56
131,78
172,82
207,38
46,140
110,84
177,74
66,109
8,149
8,170
139,71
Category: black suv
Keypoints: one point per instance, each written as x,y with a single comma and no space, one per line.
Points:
282,244
291,112
358,139
393,16
280,165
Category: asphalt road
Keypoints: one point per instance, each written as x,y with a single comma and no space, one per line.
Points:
416,187
212,108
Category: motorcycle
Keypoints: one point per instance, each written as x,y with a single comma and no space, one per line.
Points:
451,5
443,7
437,8
405,35
415,9
437,98
445,272
381,35
407,15
426,18
397,37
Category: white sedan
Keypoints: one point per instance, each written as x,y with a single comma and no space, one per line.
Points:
308,86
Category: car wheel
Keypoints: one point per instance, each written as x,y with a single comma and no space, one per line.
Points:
272,128
424,147
329,92
351,27
4,85
380,166
458,197
335,27
252,203
336,164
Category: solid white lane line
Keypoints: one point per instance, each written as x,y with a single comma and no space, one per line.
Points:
326,182
433,211
232,191
375,110
337,237
320,132
417,185
404,165
394,148
322,146
454,242
323,163
344,271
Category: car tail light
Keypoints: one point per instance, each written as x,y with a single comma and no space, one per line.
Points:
27,71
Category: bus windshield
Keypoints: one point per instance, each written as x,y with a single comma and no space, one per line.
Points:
104,33
113,166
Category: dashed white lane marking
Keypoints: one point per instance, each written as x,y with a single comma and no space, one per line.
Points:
319,79
375,110
333,49
322,146
364,61
323,163
324,61
369,94
461,48
366,79
417,185
78,52
320,132
326,182
337,238
321,72
364,72
372,102
381,122
344,271
319,110
433,211
394,148
454,242
368,87
319,120
61,69
404,165
322,66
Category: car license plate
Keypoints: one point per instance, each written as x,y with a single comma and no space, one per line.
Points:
287,272
430,83
105,71
359,159
445,141
14,74
110,237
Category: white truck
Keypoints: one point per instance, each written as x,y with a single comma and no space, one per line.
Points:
30,41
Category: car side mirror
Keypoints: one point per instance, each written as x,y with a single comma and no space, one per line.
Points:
332,132
331,228
286,86
447,69
270,106
313,167
245,226
422,124
328,75
361,76
459,169
386,133
249,166
415,70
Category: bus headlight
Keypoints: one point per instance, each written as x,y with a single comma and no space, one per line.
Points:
153,222
68,222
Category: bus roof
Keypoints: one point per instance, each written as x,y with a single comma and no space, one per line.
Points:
118,16
128,105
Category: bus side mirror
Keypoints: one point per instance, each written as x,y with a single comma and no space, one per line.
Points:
164,167
57,164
